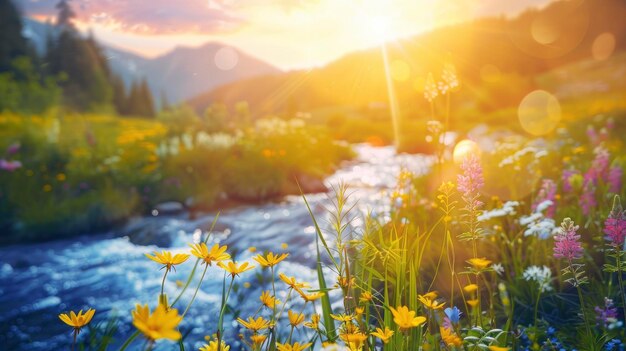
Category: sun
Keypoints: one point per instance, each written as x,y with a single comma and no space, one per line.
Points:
375,22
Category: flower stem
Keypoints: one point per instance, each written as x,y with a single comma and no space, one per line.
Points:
536,311
196,292
620,280
129,340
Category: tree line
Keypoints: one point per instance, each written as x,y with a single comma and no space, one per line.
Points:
73,73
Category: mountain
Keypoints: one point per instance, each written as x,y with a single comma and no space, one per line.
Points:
514,48
185,72
179,74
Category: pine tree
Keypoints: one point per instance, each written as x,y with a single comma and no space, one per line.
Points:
165,104
86,75
12,43
66,14
147,102
120,101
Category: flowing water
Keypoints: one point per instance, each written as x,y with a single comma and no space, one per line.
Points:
110,273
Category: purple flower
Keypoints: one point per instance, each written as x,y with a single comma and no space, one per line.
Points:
615,179
566,241
599,166
592,135
9,166
606,315
588,197
615,225
567,175
546,193
13,148
472,178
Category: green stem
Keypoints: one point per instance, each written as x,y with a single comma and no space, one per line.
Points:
536,312
620,279
129,340
75,336
195,292
223,309
163,282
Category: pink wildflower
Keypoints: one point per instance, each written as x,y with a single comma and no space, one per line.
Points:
13,148
472,178
566,242
615,179
588,197
599,166
592,135
9,166
566,179
615,225
546,193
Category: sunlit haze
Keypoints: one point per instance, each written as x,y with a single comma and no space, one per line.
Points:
287,34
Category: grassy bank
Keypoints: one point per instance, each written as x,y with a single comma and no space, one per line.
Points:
68,174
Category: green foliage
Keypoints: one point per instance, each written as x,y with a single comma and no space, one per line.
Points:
23,90
81,173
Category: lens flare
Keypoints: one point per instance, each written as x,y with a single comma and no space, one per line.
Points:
465,148
603,46
539,112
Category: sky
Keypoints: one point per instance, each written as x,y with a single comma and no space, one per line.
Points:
289,34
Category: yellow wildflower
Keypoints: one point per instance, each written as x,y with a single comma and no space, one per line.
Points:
431,295
284,246
344,318
479,263
359,311
167,259
354,340
270,260
291,281
77,321
216,253
314,323
268,300
213,346
160,324
311,297
383,335
366,296
234,270
258,339
498,348
473,302
295,319
252,249
470,288
255,324
449,337
430,303
406,319
295,347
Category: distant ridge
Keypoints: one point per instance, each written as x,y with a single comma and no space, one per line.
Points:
180,73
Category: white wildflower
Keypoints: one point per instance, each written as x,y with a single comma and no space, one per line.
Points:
541,275
507,209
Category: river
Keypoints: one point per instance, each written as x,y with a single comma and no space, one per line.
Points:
111,274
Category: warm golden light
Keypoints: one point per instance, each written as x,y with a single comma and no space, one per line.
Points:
465,148
539,112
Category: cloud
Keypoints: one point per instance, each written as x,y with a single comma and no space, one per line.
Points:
148,16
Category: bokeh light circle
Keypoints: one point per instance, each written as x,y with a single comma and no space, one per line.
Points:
226,58
539,112
465,148
603,46
400,70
